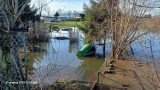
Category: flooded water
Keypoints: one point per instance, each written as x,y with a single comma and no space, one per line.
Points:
148,46
60,61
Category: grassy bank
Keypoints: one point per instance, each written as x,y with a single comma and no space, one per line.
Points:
64,24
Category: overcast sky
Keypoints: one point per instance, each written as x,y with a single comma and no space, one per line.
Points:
65,5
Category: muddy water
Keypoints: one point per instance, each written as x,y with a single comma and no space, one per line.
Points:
59,61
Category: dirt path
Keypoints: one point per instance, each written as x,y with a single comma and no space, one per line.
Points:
130,75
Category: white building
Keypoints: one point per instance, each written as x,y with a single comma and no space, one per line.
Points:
47,18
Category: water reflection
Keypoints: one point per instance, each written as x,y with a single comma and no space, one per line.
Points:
73,46
142,47
62,54
89,67
53,72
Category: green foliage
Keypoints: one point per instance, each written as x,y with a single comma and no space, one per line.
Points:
4,45
96,21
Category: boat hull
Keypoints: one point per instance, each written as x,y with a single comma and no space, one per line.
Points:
86,50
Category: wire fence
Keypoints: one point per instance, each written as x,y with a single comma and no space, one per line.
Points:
48,75
11,72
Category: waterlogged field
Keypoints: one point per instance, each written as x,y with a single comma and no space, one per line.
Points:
64,24
60,62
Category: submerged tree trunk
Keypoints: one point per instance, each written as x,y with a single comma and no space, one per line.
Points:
132,50
124,23
104,48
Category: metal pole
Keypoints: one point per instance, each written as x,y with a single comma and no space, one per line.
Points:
25,58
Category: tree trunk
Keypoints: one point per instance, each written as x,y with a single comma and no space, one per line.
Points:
132,50
104,48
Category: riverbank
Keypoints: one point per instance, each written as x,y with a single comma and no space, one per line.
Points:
130,74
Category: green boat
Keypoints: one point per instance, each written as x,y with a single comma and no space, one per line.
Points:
86,50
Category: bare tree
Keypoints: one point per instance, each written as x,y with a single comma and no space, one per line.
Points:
48,10
69,13
12,9
126,17
41,5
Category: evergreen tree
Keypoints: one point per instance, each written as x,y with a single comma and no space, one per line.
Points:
96,19
82,16
30,15
56,15
96,22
